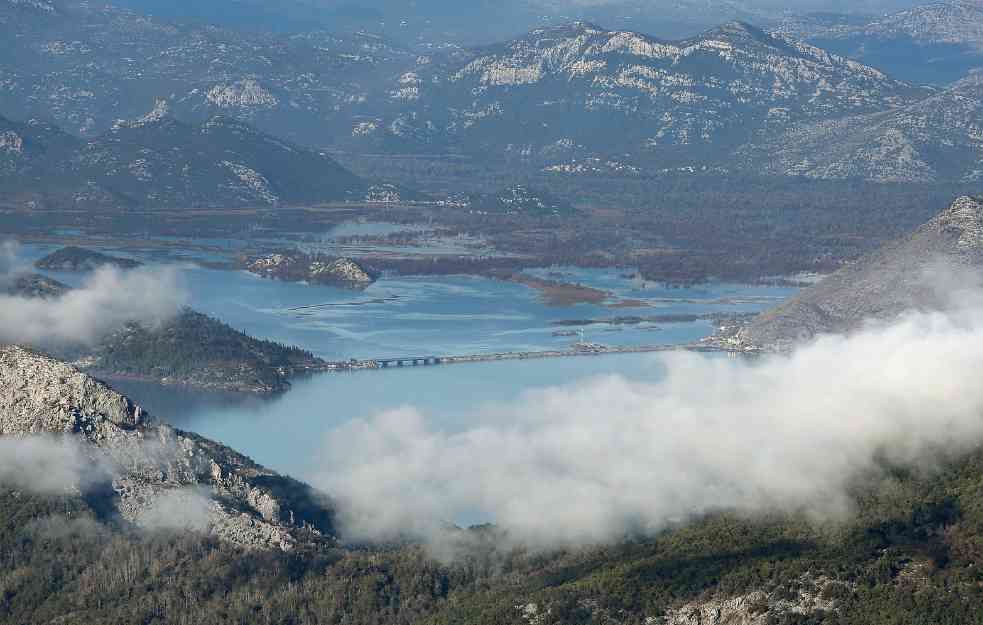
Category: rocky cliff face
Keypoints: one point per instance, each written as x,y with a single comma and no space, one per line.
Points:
896,278
154,473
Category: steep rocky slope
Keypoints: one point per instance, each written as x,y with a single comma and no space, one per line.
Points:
896,278
579,90
937,139
153,473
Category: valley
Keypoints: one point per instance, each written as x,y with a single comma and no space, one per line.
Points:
534,312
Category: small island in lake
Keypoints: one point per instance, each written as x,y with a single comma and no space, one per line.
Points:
314,269
197,350
80,259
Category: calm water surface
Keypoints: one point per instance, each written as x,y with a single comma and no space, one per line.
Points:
400,316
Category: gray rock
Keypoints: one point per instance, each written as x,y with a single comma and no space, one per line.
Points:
150,464
297,267
808,598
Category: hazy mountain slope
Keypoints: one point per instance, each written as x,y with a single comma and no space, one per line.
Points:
28,149
85,65
579,90
934,43
149,473
937,139
158,161
896,278
222,162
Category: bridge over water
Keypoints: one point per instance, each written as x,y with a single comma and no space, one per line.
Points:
579,350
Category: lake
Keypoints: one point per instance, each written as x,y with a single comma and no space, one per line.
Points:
417,316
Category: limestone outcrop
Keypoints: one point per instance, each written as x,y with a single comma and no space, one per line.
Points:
156,475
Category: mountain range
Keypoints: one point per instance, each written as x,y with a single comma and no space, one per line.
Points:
483,21
83,66
579,90
571,99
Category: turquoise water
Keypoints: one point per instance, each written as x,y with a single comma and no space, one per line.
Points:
415,316
423,316
288,432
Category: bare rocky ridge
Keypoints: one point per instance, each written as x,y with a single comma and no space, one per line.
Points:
882,285
559,95
149,462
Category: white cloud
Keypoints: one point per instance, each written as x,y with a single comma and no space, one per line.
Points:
47,465
108,299
590,463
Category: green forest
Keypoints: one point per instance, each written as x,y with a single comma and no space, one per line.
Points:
908,554
198,349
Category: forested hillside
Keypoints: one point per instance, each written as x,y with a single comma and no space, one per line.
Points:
908,553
